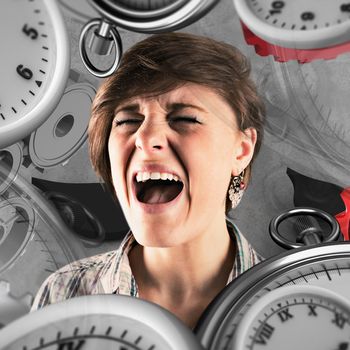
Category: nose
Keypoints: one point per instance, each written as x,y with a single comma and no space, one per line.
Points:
151,137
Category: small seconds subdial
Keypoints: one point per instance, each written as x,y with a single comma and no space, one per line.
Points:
34,65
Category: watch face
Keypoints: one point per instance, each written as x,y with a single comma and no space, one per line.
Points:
297,24
34,65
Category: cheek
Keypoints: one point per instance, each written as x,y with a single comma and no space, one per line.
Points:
115,158
112,152
117,149
210,166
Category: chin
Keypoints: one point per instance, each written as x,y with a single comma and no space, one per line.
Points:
155,242
156,238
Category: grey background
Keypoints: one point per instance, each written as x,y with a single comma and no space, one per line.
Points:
307,130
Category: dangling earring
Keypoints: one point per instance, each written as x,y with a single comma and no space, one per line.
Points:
236,189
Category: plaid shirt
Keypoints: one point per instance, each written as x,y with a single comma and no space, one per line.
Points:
110,273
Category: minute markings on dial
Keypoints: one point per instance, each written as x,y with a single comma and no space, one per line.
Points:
24,71
305,16
76,342
314,273
327,273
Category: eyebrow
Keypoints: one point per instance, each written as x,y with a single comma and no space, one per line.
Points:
128,108
171,107
179,106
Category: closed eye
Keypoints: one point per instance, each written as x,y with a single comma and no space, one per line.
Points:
126,121
185,119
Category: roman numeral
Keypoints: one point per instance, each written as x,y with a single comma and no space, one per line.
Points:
285,315
339,320
312,310
264,335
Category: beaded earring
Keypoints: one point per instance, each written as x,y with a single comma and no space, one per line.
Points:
236,189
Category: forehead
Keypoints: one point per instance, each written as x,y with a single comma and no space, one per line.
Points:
191,95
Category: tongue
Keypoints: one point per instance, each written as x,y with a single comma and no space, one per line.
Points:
160,193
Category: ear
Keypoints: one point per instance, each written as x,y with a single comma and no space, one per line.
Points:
244,151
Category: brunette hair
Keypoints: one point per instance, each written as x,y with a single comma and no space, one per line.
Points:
166,61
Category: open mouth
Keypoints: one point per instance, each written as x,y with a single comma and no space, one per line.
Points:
158,191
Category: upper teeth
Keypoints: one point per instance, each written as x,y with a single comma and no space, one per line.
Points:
144,176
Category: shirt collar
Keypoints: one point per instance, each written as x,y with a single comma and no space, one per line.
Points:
123,281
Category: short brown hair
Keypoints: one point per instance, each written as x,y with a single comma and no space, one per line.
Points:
166,61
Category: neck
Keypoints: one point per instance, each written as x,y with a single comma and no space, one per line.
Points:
190,274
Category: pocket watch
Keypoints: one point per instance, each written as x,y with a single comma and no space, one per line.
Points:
304,289
139,16
296,29
34,65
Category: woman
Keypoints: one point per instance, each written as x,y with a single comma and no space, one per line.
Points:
173,133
